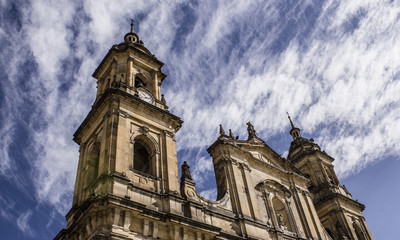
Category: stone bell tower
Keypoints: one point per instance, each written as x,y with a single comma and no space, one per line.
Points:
128,169
340,215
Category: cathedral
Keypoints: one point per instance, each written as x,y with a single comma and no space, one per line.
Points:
128,184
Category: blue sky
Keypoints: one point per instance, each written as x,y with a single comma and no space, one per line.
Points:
333,65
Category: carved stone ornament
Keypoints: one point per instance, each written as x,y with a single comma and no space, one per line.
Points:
170,134
144,130
244,166
123,114
269,222
143,180
273,186
131,137
190,193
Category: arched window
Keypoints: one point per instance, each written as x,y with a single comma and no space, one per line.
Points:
144,155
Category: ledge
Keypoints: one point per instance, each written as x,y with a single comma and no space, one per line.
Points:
116,91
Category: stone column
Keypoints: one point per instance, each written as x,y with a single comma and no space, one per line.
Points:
155,85
113,73
117,215
79,175
171,162
291,218
88,227
112,132
314,216
127,221
122,158
145,227
300,210
129,78
251,195
155,230
173,232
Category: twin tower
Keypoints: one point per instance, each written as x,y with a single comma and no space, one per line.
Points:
128,185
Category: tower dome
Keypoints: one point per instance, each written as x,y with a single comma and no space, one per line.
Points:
131,37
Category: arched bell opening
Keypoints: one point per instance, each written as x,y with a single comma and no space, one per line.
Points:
144,155
139,82
141,158
92,164
359,233
329,232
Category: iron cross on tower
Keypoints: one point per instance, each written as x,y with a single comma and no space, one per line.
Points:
132,23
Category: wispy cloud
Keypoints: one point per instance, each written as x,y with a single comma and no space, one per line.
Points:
7,131
7,208
338,78
23,223
10,212
201,169
209,194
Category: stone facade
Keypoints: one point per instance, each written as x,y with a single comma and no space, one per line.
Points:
127,184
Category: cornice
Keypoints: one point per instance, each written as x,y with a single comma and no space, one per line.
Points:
122,47
338,195
115,91
295,171
303,153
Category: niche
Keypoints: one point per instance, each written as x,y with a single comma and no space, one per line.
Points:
281,214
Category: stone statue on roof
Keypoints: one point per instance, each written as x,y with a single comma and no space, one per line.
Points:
186,171
250,129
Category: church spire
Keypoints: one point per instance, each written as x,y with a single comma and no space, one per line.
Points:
290,120
295,132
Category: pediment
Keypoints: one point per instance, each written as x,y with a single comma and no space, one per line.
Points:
253,154
266,155
272,161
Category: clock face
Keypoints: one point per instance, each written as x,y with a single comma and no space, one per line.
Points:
146,97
